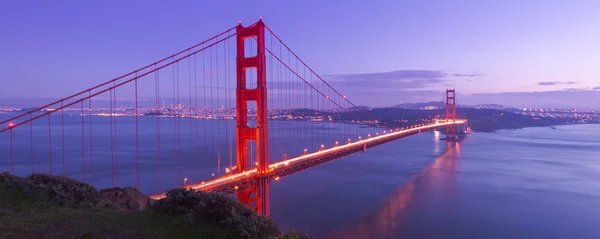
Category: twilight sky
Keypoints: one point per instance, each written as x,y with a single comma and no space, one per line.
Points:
536,53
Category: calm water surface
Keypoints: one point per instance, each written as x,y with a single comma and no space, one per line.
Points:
529,183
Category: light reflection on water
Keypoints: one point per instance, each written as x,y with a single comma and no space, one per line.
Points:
393,213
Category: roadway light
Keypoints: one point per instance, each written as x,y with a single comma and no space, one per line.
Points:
213,174
336,142
305,150
184,181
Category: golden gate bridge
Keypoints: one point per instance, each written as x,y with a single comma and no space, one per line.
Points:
248,72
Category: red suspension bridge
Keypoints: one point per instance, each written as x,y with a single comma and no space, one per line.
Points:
229,114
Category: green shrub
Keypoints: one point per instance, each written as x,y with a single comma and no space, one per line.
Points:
216,209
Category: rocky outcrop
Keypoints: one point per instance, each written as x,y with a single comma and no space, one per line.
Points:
128,198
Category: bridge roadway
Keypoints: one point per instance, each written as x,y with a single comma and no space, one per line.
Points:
236,181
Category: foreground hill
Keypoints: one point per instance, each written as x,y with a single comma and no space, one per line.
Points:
43,206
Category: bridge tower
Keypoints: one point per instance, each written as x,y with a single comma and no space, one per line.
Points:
451,113
256,191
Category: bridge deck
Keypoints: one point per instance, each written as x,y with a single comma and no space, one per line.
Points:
232,182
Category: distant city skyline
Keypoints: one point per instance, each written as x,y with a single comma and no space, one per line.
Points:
518,54
471,100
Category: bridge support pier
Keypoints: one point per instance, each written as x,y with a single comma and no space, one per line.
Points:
256,194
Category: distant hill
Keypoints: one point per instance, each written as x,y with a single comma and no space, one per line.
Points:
480,120
489,106
360,108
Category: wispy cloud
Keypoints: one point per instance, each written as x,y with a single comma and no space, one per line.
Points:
392,75
396,80
547,83
574,89
596,88
389,81
467,75
392,87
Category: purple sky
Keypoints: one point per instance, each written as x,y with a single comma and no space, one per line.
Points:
544,52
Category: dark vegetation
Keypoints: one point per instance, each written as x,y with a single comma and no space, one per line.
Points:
43,206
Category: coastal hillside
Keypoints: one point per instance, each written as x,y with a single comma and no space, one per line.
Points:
44,206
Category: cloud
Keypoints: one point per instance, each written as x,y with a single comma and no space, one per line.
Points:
575,89
547,83
389,81
393,87
392,75
467,75
383,83
596,88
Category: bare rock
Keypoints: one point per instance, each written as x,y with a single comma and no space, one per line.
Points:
128,198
